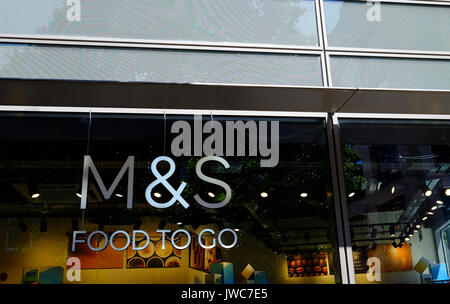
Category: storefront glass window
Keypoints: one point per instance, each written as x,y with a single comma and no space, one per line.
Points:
397,181
279,222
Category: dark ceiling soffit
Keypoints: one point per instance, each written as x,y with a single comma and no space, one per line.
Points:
398,102
67,93
169,96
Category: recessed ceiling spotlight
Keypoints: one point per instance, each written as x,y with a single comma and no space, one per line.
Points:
211,194
236,229
35,195
447,192
434,207
180,223
424,218
407,239
439,202
157,194
430,213
418,226
264,194
78,194
425,189
393,189
304,194
351,194
119,195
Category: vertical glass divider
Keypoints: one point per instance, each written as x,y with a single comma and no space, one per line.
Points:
339,170
337,205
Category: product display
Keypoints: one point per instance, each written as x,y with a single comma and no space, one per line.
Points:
307,263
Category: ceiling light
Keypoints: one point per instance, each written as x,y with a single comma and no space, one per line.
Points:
418,226
425,189
236,229
351,194
78,194
407,239
439,202
410,234
157,194
211,194
304,194
35,195
430,213
447,192
264,194
392,189
434,207
119,195
180,223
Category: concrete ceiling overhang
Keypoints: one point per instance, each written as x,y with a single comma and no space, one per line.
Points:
63,93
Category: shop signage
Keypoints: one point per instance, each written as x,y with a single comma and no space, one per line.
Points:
212,146
160,179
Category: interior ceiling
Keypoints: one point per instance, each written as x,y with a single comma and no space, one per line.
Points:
220,97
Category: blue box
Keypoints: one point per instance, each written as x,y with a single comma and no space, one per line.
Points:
439,272
225,269
260,277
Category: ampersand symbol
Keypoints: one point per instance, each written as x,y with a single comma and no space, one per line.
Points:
162,179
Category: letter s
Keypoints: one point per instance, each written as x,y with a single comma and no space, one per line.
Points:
198,170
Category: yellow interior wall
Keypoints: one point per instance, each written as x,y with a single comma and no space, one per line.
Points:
51,249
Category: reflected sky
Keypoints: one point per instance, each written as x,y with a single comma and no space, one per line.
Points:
289,22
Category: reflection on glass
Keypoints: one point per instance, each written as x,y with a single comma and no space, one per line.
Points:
382,25
283,216
162,66
398,172
378,72
237,21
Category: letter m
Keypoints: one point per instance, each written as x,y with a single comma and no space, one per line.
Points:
89,165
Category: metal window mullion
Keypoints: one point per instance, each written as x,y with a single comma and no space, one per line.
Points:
163,44
347,247
324,43
111,110
337,205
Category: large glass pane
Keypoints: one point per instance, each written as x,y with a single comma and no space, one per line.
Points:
282,215
40,176
378,72
139,65
284,22
397,183
381,25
